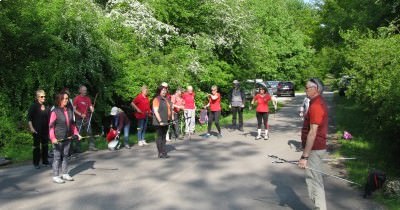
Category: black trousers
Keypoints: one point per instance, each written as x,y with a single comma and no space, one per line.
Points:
214,116
262,116
161,139
40,149
236,110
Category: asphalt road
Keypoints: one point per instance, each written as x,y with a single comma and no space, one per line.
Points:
229,173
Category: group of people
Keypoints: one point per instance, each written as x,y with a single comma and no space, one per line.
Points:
65,122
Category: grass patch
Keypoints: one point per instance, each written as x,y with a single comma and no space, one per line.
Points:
367,145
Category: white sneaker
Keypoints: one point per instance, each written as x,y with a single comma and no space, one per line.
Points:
140,143
258,137
145,143
58,180
168,139
67,177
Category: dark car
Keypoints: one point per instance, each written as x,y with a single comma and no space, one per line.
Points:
274,86
344,83
285,88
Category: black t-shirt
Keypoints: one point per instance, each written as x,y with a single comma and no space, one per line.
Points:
39,118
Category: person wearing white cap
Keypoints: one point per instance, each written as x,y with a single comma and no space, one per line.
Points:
237,100
121,121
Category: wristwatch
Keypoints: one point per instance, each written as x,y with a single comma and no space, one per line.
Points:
303,158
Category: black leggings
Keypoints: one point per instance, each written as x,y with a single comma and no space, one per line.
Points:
214,116
262,116
161,139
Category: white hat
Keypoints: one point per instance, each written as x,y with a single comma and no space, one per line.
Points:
164,84
235,82
114,111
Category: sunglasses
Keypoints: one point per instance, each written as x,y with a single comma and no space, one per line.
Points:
42,96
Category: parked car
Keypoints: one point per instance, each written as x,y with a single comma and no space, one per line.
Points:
344,84
274,86
285,88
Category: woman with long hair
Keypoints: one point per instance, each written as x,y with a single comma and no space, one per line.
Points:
62,131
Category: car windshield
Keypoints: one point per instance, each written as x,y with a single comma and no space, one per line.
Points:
273,83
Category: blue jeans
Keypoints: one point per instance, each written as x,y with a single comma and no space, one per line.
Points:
141,128
126,133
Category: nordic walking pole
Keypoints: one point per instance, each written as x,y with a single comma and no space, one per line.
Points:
281,160
83,118
91,114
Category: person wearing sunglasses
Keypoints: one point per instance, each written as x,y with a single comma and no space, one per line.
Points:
38,121
313,137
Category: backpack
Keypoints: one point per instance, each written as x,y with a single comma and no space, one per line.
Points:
203,119
375,181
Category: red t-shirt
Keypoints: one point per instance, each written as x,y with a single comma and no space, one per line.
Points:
82,104
317,114
189,100
262,102
215,105
143,103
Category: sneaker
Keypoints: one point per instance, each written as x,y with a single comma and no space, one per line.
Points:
127,146
144,143
207,135
219,136
140,143
67,177
266,137
46,165
258,137
240,129
58,180
168,140
36,166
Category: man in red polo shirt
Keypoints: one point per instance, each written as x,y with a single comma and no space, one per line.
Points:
189,110
313,138
83,108
141,104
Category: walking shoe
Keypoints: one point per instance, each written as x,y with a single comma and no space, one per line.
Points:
168,140
258,137
140,143
58,180
144,143
67,177
207,135
36,166
240,129
127,146
219,136
46,165
266,137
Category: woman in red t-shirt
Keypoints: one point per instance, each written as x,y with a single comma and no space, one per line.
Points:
214,102
262,99
141,104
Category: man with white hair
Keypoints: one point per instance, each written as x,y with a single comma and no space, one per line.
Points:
189,110
313,138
